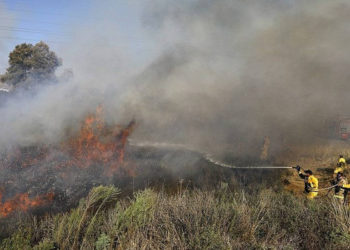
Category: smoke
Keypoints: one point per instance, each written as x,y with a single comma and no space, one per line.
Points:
225,74
233,72
98,70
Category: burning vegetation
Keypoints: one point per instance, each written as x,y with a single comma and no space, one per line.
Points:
96,151
23,202
98,143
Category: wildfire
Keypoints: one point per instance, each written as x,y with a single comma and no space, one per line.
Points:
22,202
95,144
99,143
24,157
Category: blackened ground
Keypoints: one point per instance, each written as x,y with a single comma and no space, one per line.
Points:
158,168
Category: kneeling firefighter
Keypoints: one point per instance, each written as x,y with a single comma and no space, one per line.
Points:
311,182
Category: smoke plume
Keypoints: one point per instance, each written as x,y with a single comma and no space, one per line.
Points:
236,71
225,75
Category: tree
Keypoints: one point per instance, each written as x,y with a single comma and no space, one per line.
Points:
30,63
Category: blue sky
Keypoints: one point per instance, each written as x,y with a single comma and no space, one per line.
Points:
50,20
42,19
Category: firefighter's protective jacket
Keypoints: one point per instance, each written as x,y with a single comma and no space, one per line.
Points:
311,185
338,170
313,181
342,161
338,191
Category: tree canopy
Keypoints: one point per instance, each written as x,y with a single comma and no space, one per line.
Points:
28,63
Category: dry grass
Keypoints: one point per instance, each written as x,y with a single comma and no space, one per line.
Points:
323,153
254,217
193,219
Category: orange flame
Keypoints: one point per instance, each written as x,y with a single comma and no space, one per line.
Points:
22,202
97,142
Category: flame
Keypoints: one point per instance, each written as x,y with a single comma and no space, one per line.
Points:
96,144
99,143
22,202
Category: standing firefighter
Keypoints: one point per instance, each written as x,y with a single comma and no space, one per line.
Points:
346,188
311,182
341,182
341,161
341,164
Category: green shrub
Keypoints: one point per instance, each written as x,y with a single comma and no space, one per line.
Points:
136,216
140,211
211,239
19,240
99,199
45,245
103,242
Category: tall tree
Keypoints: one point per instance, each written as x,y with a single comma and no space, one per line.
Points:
28,63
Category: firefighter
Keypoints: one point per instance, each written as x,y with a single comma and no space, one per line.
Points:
340,166
346,189
340,181
311,183
337,170
341,161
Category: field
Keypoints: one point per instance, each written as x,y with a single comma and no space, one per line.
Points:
206,208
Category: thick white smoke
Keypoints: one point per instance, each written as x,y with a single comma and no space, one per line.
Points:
236,71
228,73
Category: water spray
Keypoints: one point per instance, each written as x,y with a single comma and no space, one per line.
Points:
225,165
210,159
205,155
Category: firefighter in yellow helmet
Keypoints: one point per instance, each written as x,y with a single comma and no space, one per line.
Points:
311,182
340,166
342,161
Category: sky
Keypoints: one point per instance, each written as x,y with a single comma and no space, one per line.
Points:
55,22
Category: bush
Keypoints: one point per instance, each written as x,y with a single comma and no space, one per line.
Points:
103,242
19,240
45,245
193,219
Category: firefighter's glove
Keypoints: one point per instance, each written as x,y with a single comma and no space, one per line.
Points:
297,168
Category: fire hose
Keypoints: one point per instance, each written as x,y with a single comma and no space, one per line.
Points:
322,189
261,167
210,159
